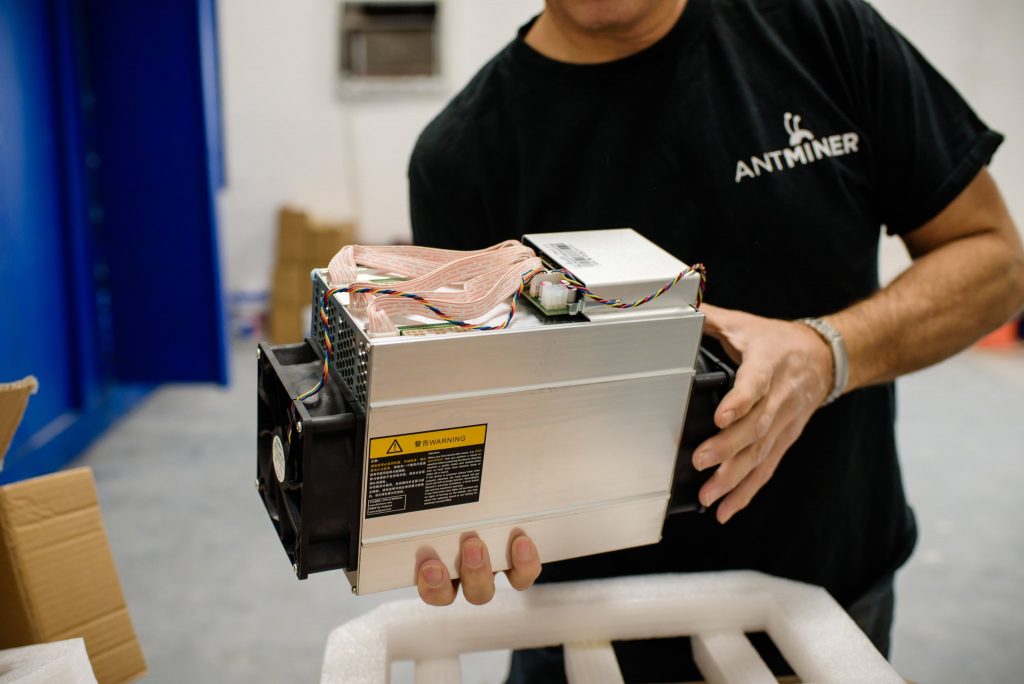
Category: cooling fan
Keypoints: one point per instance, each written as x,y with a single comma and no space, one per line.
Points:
307,453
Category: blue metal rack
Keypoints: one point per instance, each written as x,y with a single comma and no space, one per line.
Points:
110,160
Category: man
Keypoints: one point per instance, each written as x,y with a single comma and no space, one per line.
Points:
769,139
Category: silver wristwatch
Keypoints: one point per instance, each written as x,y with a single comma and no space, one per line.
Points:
840,361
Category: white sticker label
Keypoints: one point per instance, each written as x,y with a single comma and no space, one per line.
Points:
571,256
278,458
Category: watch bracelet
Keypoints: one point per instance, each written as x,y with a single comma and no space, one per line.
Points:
837,345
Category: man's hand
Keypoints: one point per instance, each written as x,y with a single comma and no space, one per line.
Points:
785,373
437,588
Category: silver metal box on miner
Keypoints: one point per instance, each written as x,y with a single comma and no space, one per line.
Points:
565,426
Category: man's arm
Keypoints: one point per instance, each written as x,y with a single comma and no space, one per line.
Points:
966,279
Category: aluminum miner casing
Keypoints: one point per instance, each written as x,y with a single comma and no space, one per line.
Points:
565,431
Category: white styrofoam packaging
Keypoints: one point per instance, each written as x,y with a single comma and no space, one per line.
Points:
716,610
58,661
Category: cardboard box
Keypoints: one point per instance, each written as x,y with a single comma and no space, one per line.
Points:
13,400
324,241
57,576
286,324
292,294
289,321
292,228
307,243
291,284
302,245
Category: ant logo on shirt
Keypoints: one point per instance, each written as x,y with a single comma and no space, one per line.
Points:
797,134
804,148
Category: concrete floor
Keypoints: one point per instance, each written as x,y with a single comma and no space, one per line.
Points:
214,600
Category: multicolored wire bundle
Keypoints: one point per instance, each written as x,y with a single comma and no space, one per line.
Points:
569,280
526,277
699,269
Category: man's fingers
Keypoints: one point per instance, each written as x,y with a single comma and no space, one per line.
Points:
435,584
525,563
475,572
776,431
774,409
742,495
732,473
714,319
758,477
721,324
753,380
476,577
728,443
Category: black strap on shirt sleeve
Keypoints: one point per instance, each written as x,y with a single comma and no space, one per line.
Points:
928,143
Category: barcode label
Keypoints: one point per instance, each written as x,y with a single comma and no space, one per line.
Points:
571,256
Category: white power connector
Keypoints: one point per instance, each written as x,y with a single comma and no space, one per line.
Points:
554,295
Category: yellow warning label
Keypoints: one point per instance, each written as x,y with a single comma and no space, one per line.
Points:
419,442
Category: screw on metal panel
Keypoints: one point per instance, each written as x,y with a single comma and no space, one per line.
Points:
259,352
295,568
298,428
257,484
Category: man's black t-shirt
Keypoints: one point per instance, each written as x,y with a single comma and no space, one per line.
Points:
770,140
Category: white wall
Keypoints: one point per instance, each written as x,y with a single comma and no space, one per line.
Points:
290,138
